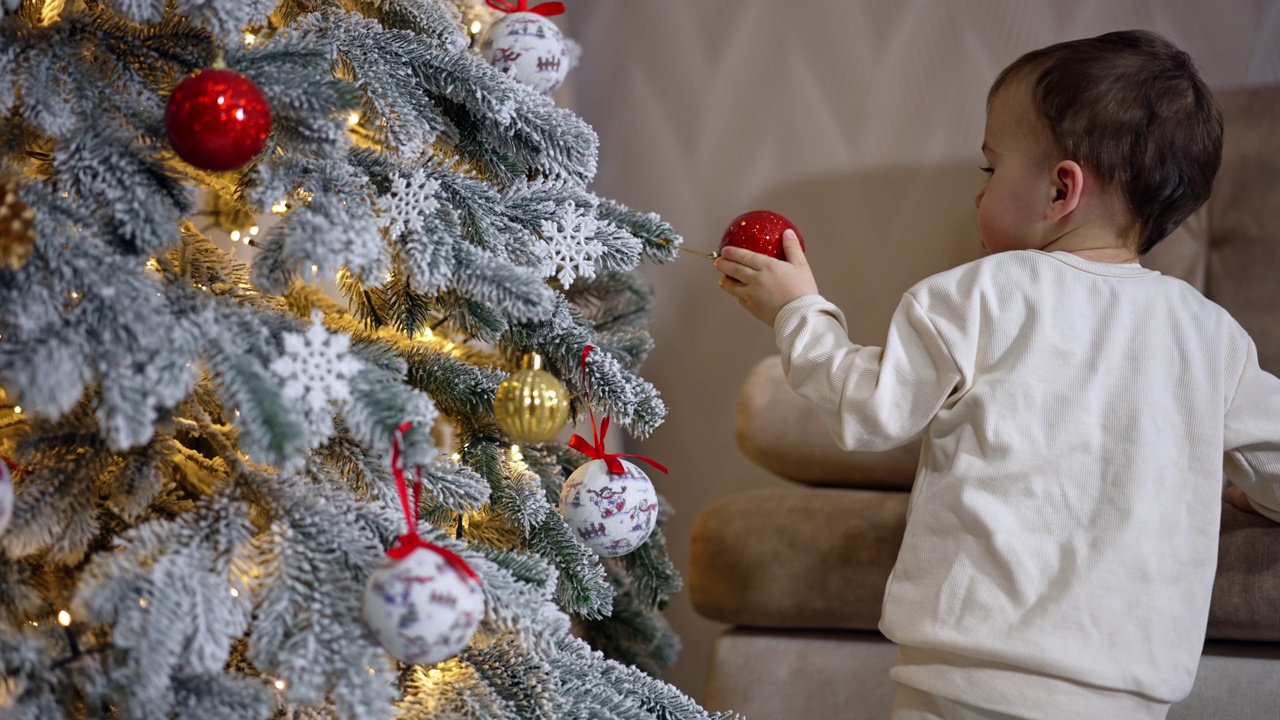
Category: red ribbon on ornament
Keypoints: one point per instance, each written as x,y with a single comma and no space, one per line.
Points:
410,541
10,464
546,9
596,449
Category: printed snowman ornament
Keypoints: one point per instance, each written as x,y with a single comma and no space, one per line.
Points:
612,514
527,46
423,606
610,503
422,603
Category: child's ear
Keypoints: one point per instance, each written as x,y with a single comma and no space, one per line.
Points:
1068,187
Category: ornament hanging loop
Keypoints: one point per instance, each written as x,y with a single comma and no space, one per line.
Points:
546,9
411,541
596,449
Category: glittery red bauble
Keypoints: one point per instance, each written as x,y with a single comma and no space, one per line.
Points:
217,120
759,231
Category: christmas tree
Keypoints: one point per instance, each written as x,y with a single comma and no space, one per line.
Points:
218,456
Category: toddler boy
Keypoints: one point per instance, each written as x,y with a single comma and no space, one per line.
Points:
1075,407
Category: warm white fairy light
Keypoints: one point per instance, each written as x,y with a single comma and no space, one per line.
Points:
64,618
315,270
17,409
280,685
280,208
456,457
235,236
249,38
475,27
235,593
144,602
253,229
353,118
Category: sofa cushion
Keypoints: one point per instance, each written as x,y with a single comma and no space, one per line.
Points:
819,559
1246,592
796,557
1244,227
783,433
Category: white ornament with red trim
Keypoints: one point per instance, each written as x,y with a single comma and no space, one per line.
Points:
6,496
612,513
610,503
422,602
527,46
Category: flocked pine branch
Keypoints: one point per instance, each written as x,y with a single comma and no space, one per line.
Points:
195,523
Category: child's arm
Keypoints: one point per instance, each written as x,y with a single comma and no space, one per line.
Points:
1251,439
870,398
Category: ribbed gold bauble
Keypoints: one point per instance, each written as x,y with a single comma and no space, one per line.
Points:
531,405
17,237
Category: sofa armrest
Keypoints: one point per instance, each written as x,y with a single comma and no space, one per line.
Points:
783,433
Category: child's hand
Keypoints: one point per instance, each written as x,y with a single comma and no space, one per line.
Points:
762,284
1236,498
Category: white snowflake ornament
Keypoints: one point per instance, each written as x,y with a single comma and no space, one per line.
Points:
411,201
316,368
612,514
572,250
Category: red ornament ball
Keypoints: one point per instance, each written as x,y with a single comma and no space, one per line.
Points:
759,231
217,120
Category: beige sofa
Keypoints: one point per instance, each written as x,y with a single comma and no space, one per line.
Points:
800,572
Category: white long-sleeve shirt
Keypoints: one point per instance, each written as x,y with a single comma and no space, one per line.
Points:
1077,418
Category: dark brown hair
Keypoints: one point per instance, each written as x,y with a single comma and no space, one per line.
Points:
1132,109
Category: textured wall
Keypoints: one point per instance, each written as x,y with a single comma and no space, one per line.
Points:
861,120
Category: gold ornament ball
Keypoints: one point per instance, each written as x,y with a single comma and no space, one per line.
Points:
531,405
17,237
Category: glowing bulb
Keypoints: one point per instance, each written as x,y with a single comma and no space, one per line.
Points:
280,208
475,27
315,269
249,38
371,670
144,602
280,685
353,118
456,457
222,99
17,409
75,295
239,113
235,236
235,592
253,229
64,618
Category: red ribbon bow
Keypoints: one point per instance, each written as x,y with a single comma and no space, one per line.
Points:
410,541
545,9
596,450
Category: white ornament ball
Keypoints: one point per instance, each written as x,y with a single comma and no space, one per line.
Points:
6,497
612,514
528,47
420,608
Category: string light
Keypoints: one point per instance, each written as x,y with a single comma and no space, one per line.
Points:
253,230
515,454
144,602
64,618
315,270
353,118
235,593
17,409
235,236
249,38
456,457
475,27
280,685
280,208
35,624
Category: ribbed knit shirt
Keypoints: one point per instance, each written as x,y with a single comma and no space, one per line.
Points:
1076,420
